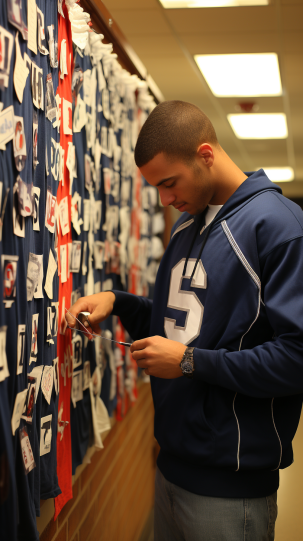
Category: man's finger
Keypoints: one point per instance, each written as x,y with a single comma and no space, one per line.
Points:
139,344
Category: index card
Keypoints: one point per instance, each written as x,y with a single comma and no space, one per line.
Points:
37,373
18,410
32,25
6,125
63,211
20,72
67,117
34,339
47,382
51,269
4,372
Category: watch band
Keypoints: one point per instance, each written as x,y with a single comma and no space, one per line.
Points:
187,363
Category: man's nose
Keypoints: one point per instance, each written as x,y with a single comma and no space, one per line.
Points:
166,197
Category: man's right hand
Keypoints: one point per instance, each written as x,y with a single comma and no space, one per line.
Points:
100,306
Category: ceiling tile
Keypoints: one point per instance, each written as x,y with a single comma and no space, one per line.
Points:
147,21
160,46
129,5
292,17
240,42
226,20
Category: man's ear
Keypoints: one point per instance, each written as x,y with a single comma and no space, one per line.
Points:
205,151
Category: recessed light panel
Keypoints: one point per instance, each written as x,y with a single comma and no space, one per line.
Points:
175,4
279,174
259,126
241,75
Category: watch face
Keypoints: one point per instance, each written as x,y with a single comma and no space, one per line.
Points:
187,367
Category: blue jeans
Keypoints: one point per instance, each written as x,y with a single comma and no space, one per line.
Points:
183,516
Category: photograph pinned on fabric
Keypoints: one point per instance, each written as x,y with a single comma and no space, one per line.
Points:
76,256
52,322
86,375
50,101
87,169
55,159
41,32
36,201
77,82
6,44
34,275
37,86
77,221
14,15
4,372
77,351
64,218
26,451
20,348
25,197
9,273
35,139
98,254
77,387
34,339
53,46
50,211
18,220
37,373
45,435
30,401
19,143
51,270
56,374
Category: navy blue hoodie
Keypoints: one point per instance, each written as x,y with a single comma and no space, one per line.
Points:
227,431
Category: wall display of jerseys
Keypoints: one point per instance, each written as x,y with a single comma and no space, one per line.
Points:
76,218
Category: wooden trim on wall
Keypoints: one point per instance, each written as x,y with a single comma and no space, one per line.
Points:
103,23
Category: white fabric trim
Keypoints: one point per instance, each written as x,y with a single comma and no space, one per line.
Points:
183,226
280,443
240,254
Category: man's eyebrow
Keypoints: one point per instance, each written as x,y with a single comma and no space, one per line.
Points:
165,180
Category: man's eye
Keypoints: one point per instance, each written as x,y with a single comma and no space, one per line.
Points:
169,185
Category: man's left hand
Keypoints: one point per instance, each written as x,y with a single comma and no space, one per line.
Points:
159,356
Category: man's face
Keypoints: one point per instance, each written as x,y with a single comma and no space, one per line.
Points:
186,187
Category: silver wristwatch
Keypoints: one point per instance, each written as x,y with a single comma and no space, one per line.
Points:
187,363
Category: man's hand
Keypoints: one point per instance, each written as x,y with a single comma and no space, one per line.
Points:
159,356
99,306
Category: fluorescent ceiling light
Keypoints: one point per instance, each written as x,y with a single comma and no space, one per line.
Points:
279,174
259,126
241,75
175,4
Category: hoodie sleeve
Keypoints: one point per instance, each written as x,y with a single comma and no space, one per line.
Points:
274,368
134,313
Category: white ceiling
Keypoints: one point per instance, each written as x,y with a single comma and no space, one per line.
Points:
166,40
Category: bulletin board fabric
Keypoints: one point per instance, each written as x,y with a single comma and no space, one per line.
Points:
76,218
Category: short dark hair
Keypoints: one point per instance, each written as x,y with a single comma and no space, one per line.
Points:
176,128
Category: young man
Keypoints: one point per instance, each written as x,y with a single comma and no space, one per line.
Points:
222,339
